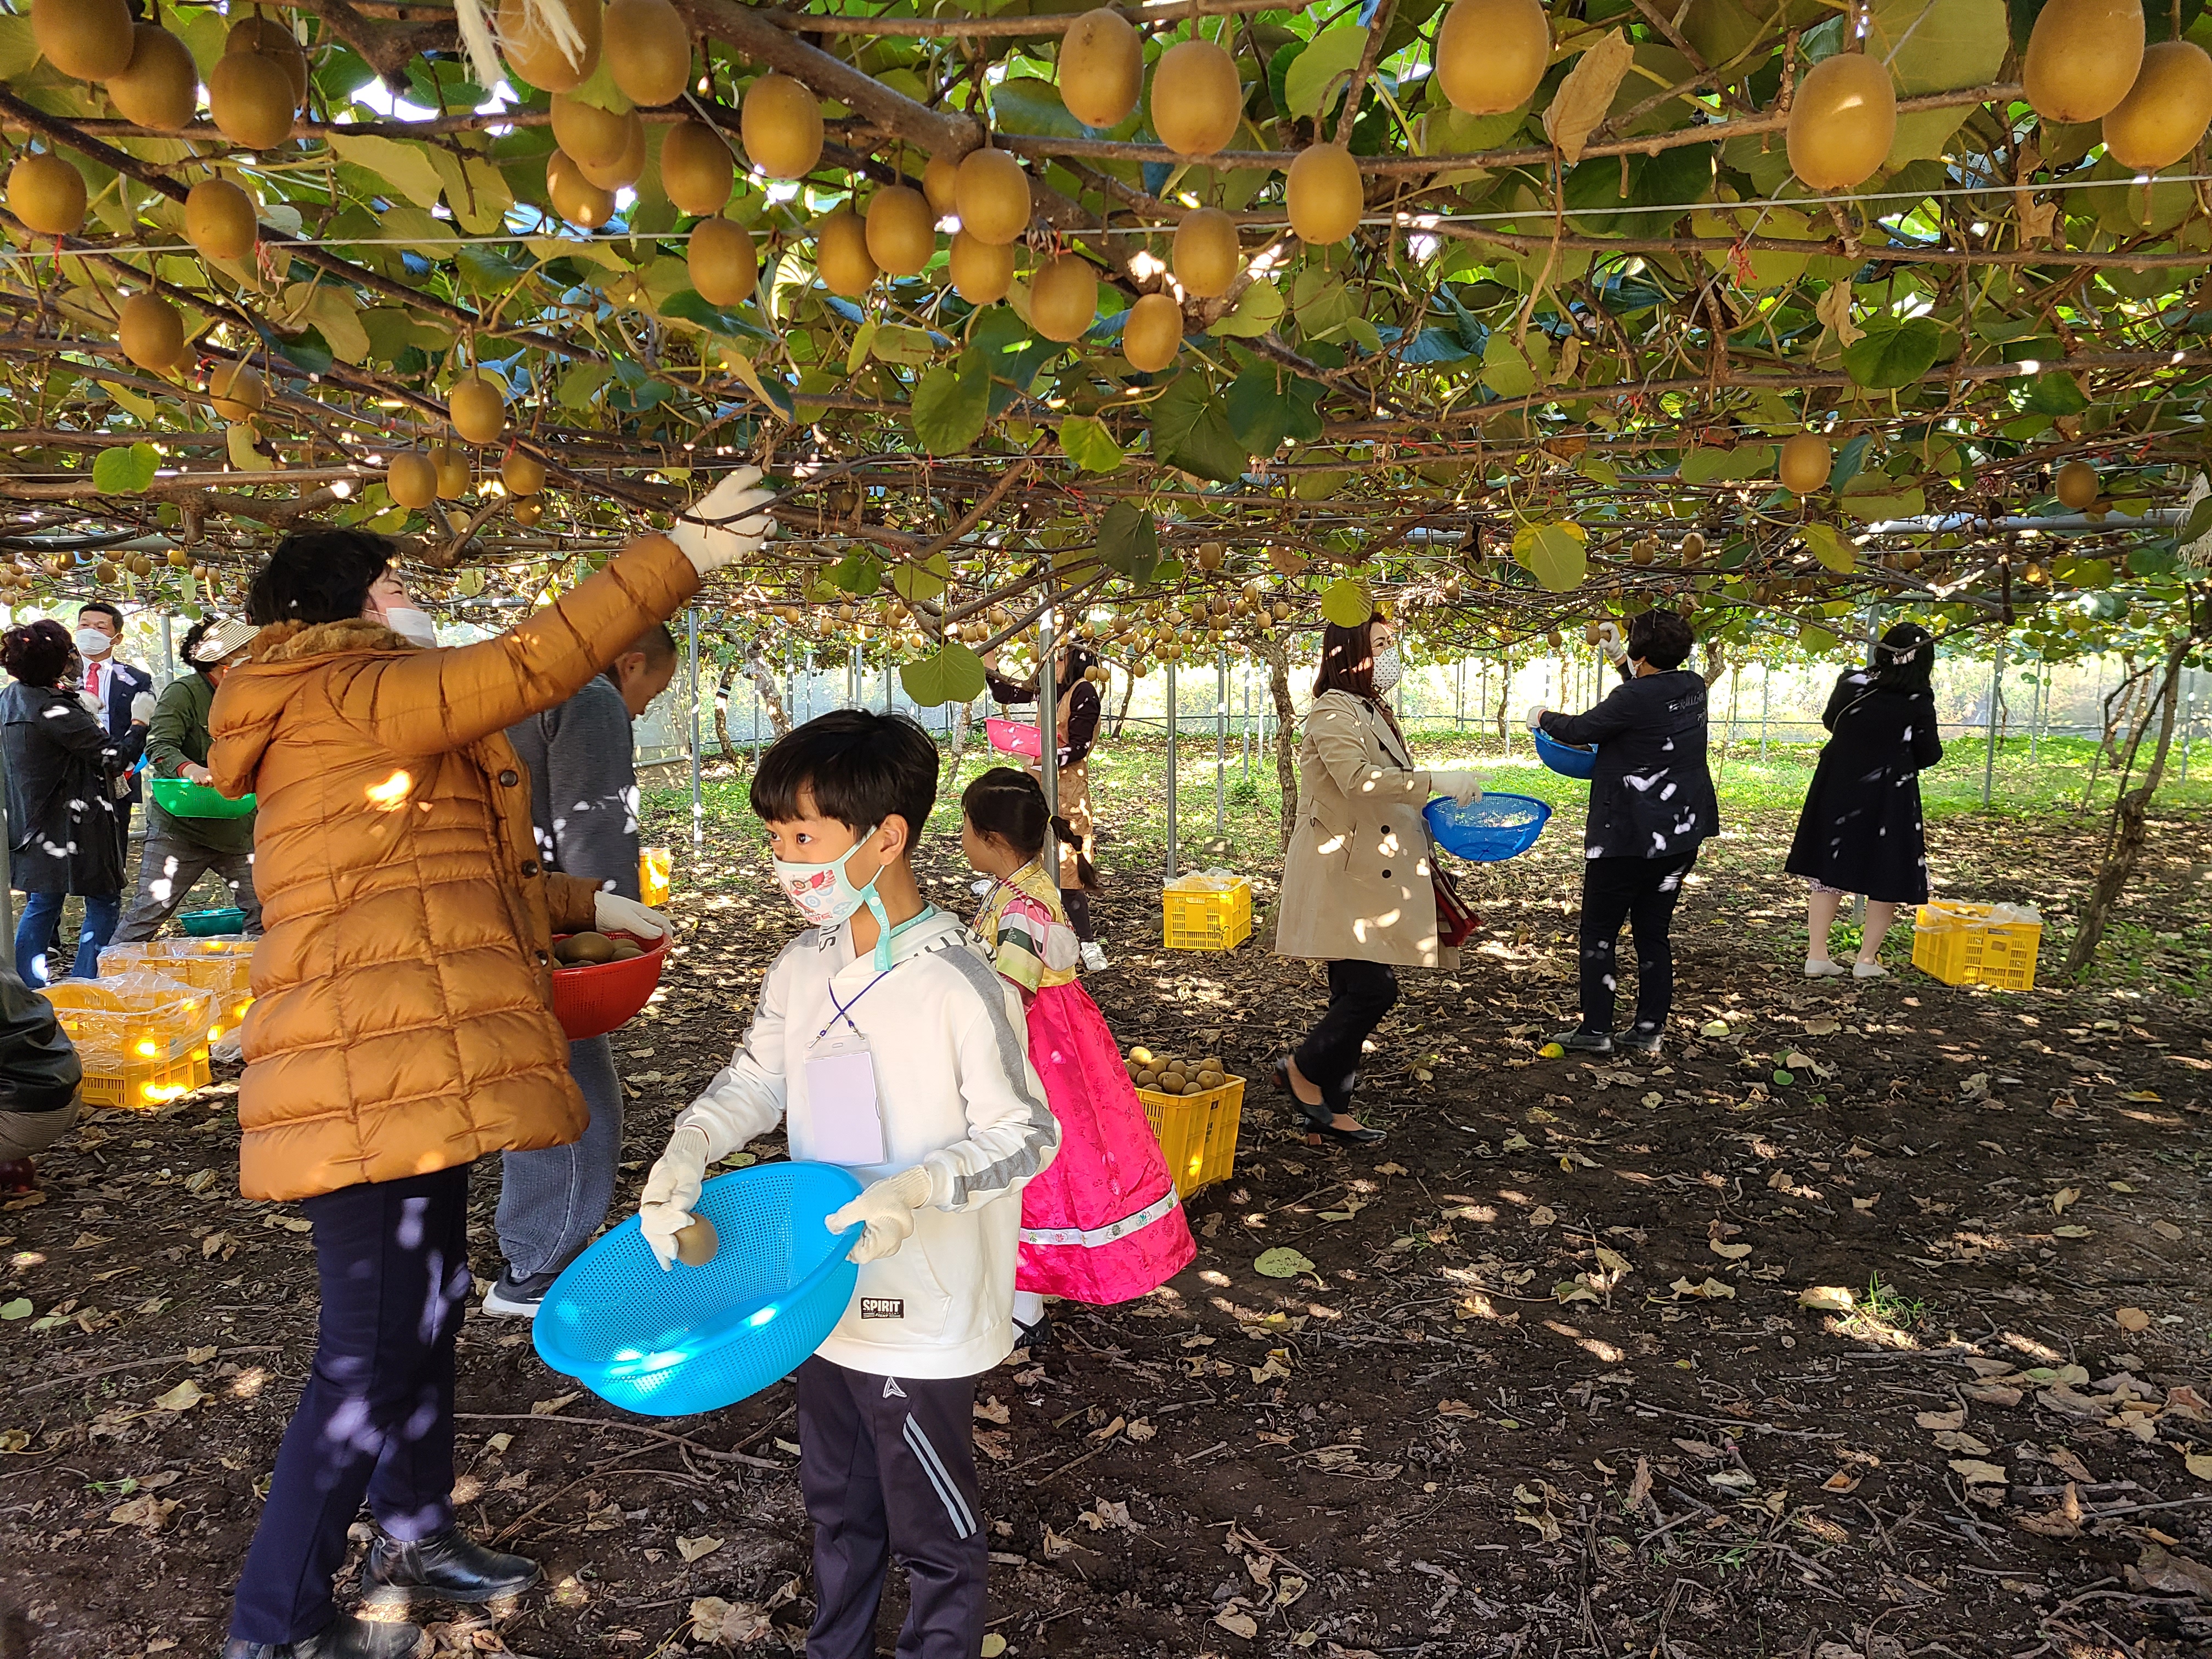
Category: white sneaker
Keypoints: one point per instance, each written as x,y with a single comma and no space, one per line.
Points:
1094,956
1823,968
1869,970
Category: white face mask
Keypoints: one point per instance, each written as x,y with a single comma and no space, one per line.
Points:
825,895
411,625
91,641
1388,670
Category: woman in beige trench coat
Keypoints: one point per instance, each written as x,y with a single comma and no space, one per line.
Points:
1358,892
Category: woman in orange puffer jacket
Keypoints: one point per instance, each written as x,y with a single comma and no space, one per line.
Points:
402,1024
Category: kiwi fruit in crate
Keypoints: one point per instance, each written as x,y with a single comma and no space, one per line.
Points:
1171,1074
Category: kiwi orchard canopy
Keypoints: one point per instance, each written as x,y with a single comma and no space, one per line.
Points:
1764,309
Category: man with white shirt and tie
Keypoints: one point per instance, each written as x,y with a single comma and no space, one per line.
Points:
112,685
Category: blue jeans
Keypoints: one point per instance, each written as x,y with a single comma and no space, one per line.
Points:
552,1202
41,911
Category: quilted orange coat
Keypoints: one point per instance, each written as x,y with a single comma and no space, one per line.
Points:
402,1018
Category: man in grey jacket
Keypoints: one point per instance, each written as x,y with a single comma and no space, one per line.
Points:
583,801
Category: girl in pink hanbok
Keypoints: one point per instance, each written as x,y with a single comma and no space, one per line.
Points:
1103,1224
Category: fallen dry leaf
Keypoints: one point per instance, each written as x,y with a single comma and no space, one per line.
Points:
2063,1197
546,1408
692,1549
1950,1420
723,1624
1976,1473
146,1511
182,1398
1729,1252
1236,1623
2159,1568
1832,1298
2132,1319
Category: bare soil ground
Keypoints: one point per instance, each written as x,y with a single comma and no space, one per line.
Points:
1550,1387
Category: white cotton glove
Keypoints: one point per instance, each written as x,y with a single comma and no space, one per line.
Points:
613,914
886,1213
1463,787
1609,642
724,525
670,1190
142,708
1536,713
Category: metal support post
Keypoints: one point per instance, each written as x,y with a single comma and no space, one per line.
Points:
1171,769
1220,745
1047,696
1990,756
691,657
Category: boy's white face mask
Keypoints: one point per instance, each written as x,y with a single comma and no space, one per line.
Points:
825,895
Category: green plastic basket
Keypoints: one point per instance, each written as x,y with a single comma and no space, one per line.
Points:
180,798
207,924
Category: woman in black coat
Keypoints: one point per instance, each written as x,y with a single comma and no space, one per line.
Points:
1860,829
63,776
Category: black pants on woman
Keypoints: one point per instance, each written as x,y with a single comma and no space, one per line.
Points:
1641,892
1360,995
376,1419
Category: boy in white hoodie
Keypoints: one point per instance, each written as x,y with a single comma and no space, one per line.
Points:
892,1047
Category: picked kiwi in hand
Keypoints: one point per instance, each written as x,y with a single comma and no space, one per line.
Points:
697,1244
580,948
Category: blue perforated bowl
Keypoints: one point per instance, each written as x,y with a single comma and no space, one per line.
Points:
1488,831
1567,760
695,1338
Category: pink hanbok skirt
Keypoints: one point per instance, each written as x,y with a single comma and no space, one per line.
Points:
1103,1223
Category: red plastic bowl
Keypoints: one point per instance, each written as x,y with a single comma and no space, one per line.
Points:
593,998
1011,737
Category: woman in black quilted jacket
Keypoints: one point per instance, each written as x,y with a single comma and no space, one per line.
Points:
1860,829
1651,807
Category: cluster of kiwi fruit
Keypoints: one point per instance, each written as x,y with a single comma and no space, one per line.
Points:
1168,1075
645,46
588,950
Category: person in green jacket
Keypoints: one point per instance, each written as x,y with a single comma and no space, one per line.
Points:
179,851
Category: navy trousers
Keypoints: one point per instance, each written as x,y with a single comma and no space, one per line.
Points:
1641,892
887,1465
376,1419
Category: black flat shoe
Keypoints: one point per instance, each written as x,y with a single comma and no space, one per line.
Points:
1579,1042
1328,1134
1035,1337
446,1566
344,1638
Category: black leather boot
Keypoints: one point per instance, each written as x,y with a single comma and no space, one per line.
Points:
446,1566
344,1638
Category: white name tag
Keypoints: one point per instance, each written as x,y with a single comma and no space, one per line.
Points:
848,1118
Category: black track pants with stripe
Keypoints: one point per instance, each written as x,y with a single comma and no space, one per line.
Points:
888,1468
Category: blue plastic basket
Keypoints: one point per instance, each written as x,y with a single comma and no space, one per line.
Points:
695,1338
1567,760
1488,831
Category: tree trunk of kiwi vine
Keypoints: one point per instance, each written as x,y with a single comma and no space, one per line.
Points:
723,672
1275,654
2130,813
1129,690
763,679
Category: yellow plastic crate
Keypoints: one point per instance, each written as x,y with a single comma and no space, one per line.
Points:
1198,1133
1958,944
147,1088
133,1021
654,865
1207,920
